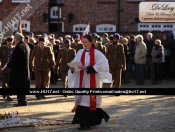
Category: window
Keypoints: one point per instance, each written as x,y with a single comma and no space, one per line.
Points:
25,26
20,1
105,28
79,27
0,0
54,12
156,26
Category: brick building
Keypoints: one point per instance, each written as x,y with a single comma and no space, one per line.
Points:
104,16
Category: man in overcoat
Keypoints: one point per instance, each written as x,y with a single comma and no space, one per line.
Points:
19,64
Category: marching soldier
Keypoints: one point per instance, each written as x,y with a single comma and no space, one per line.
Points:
41,61
65,56
54,75
77,45
5,56
100,47
105,39
117,61
110,41
31,38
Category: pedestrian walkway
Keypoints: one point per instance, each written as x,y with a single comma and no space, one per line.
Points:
128,113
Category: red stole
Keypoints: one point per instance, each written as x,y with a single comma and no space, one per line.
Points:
92,80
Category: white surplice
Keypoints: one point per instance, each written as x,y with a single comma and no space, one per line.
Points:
102,76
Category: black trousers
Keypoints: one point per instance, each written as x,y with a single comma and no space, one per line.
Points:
157,72
54,76
22,99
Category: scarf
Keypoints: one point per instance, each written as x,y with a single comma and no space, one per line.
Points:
92,80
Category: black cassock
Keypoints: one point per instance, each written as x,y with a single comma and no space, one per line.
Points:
20,73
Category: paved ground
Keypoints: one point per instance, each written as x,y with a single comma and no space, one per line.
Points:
128,113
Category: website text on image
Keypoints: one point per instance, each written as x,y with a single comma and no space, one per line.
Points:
158,12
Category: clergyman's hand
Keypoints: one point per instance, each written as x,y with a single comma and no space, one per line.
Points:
83,67
72,69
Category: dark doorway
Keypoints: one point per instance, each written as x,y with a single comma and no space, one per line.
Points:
53,27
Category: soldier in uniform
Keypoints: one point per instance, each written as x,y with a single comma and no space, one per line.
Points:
54,75
77,45
95,36
41,61
116,59
105,39
5,56
110,41
31,38
47,43
101,47
65,56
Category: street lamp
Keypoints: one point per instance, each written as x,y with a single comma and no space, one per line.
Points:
59,3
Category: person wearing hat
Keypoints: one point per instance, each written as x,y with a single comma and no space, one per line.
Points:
19,64
105,39
5,56
110,41
54,75
31,38
77,45
95,36
65,56
41,61
117,60
99,45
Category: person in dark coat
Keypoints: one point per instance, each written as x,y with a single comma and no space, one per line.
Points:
54,75
19,64
31,46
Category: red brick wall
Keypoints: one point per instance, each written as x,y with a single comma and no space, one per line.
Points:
88,10
36,19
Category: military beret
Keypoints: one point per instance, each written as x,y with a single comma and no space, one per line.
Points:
76,36
106,34
19,35
94,35
116,35
44,35
111,37
99,38
41,39
9,39
30,33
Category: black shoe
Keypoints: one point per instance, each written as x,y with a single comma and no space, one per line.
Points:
4,96
84,128
65,96
43,97
38,97
9,99
17,105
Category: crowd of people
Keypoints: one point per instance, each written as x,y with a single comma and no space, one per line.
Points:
105,59
127,55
